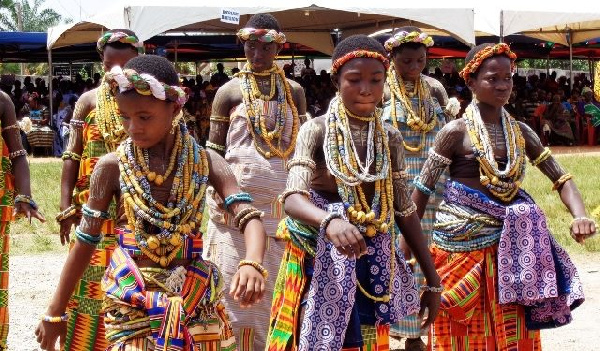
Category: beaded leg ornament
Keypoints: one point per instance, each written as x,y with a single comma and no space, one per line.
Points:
254,101
181,216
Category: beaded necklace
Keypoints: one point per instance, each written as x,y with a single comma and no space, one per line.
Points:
143,157
504,184
108,117
254,99
344,165
416,121
182,214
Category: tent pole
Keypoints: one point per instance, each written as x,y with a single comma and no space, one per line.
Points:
571,58
51,100
501,26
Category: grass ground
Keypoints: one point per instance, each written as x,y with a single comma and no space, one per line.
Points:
45,179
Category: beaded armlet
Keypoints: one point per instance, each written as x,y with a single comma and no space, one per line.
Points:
542,157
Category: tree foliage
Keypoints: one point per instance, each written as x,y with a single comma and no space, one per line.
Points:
34,18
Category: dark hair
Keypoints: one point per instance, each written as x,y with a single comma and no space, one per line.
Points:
117,45
357,42
158,67
263,21
410,45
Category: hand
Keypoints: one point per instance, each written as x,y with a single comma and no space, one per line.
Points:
65,228
582,228
47,333
346,238
248,286
24,210
430,301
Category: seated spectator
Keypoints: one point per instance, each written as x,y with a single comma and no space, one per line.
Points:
556,123
35,110
307,70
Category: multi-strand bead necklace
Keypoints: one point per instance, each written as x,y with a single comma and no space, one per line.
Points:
108,118
255,101
416,121
182,214
503,184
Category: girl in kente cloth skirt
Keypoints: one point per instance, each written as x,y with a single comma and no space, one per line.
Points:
505,277
159,292
342,281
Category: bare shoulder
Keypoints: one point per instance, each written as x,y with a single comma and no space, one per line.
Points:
450,138
228,96
313,128
437,89
108,164
4,97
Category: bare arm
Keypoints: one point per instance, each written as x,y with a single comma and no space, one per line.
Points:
568,192
227,97
299,99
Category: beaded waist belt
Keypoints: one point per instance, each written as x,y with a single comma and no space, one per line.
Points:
191,247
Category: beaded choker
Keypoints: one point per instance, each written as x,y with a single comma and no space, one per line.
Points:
182,214
503,184
408,37
422,121
337,64
494,50
262,35
121,80
111,37
255,101
108,117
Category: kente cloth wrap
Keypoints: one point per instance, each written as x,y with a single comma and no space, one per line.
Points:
191,246
7,201
85,328
410,326
335,310
112,37
264,179
145,313
532,269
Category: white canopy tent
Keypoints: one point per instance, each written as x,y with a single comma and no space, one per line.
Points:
307,22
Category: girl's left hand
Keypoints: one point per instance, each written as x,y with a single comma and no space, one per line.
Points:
247,286
582,228
24,210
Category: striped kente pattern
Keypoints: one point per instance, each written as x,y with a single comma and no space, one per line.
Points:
7,197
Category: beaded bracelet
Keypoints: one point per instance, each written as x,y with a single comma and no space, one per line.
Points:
325,221
92,240
67,213
17,153
214,146
242,214
301,161
442,159
68,155
542,157
422,188
219,119
77,123
63,318
12,126
259,267
26,200
406,212
400,175
433,289
562,180
88,212
244,220
289,192
233,198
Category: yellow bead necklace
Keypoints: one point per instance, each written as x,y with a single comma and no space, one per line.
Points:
108,118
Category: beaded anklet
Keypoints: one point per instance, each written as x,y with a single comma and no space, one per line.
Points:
26,200
88,212
233,198
422,188
259,267
49,319
68,155
92,240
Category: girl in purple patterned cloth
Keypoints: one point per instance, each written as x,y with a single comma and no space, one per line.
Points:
346,197
504,275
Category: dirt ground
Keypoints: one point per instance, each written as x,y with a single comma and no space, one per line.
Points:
33,279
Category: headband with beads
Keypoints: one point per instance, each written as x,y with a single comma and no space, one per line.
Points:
404,37
494,50
337,64
144,84
262,35
112,37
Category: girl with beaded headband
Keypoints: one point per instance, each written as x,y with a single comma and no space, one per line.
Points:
15,197
487,221
159,292
95,129
346,197
254,123
414,105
